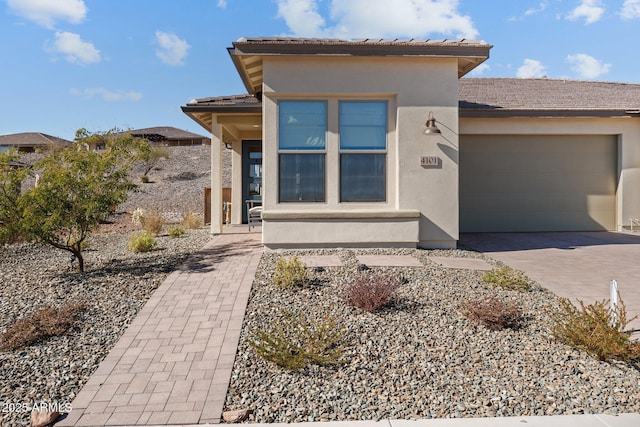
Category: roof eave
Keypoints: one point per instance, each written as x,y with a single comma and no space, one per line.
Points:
237,62
469,56
222,109
498,113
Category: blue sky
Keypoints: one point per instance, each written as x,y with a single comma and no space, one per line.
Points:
100,64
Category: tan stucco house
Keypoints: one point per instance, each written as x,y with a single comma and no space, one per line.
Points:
386,143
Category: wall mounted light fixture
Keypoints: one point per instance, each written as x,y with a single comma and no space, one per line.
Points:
431,129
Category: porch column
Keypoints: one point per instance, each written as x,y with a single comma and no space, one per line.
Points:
216,178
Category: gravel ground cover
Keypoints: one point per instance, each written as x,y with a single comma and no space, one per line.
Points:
115,286
419,357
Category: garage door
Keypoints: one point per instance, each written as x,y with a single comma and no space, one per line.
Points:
537,183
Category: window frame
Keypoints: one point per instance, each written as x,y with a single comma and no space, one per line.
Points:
352,151
304,151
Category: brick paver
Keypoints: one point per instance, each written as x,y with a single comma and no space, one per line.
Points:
173,363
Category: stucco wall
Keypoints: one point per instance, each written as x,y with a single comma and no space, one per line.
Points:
413,87
627,131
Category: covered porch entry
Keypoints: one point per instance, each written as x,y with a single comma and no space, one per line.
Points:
235,124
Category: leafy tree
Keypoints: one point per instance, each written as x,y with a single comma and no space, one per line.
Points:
12,174
156,154
78,189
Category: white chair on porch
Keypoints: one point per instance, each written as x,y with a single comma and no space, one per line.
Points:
254,213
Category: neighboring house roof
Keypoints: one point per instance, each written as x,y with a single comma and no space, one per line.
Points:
223,104
247,53
502,97
166,133
31,139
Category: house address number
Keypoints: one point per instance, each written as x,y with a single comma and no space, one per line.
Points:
429,161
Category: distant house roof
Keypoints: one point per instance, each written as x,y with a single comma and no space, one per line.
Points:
31,140
496,97
166,133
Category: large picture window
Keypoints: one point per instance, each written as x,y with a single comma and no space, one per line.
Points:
363,145
302,130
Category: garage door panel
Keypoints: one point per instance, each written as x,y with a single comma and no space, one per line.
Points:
537,183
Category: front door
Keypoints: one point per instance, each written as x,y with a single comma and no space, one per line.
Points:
251,174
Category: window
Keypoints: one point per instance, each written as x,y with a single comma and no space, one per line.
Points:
302,130
363,145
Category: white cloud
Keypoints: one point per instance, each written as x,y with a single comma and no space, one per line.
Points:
587,66
630,9
590,10
541,7
531,68
47,12
222,4
302,17
106,94
74,49
480,69
375,18
172,49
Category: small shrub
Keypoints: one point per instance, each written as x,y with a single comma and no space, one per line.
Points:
175,232
289,273
493,313
137,215
596,329
44,323
297,340
191,221
142,241
507,278
371,291
144,179
153,222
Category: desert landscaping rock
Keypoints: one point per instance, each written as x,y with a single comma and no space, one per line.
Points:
43,418
114,287
419,357
237,416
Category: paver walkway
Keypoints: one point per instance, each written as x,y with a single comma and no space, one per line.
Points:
173,363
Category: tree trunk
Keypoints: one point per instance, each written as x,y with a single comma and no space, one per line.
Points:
80,259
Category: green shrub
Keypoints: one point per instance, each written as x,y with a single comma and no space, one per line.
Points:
152,222
507,278
142,241
191,221
596,329
297,340
40,325
493,313
371,291
175,232
289,273
144,179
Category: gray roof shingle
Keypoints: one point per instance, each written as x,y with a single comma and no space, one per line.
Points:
493,96
512,94
166,133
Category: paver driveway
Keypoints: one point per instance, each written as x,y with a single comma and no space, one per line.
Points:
572,265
